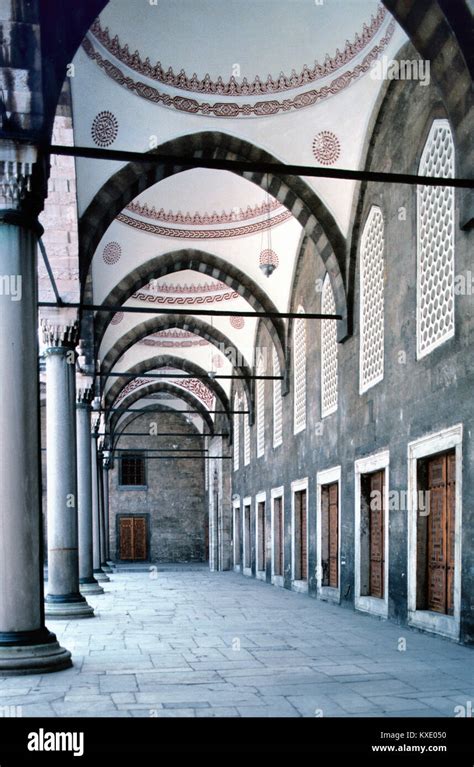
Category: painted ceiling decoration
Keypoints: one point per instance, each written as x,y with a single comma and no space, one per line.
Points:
204,234
174,338
212,286
117,318
111,253
194,385
232,109
204,219
326,147
151,298
232,87
104,129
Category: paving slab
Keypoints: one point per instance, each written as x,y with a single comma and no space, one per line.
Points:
195,644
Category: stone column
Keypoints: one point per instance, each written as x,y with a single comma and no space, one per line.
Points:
63,599
26,645
87,582
105,476
99,574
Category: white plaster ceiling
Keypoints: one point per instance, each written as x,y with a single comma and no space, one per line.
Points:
232,48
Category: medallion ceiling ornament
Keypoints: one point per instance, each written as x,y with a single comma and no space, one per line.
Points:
237,322
104,129
326,147
231,109
111,253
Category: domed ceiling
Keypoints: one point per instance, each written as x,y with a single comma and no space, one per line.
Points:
287,77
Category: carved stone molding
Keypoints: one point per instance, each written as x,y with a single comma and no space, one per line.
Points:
57,336
84,395
16,170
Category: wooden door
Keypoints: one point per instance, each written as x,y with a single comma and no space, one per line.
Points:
376,526
301,536
278,536
248,540
330,535
237,537
440,560
132,536
261,536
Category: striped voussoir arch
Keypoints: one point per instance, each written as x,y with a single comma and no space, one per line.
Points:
290,191
184,322
167,361
120,421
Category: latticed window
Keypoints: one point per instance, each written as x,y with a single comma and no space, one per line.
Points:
260,397
435,245
236,433
328,352
277,403
371,357
299,372
246,439
132,469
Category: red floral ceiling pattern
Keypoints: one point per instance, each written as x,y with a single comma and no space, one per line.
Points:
232,87
204,234
232,109
204,219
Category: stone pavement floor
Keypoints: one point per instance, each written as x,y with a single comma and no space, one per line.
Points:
186,642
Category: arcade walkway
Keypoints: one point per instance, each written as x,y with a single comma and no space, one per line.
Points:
187,642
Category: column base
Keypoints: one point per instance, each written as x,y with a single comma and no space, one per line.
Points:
90,586
67,607
100,576
106,568
32,652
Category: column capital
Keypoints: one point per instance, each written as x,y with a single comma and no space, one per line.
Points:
59,339
18,182
84,396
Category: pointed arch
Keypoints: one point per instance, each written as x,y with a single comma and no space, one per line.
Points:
292,191
204,263
168,360
155,388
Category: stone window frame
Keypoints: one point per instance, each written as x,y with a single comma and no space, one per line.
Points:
260,410
297,485
277,403
247,435
368,465
299,425
327,287
424,447
277,493
236,508
141,452
421,353
236,451
260,497
328,477
363,384
247,501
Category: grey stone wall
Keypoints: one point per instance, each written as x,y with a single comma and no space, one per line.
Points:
174,497
415,398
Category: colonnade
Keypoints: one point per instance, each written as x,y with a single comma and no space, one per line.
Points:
76,514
